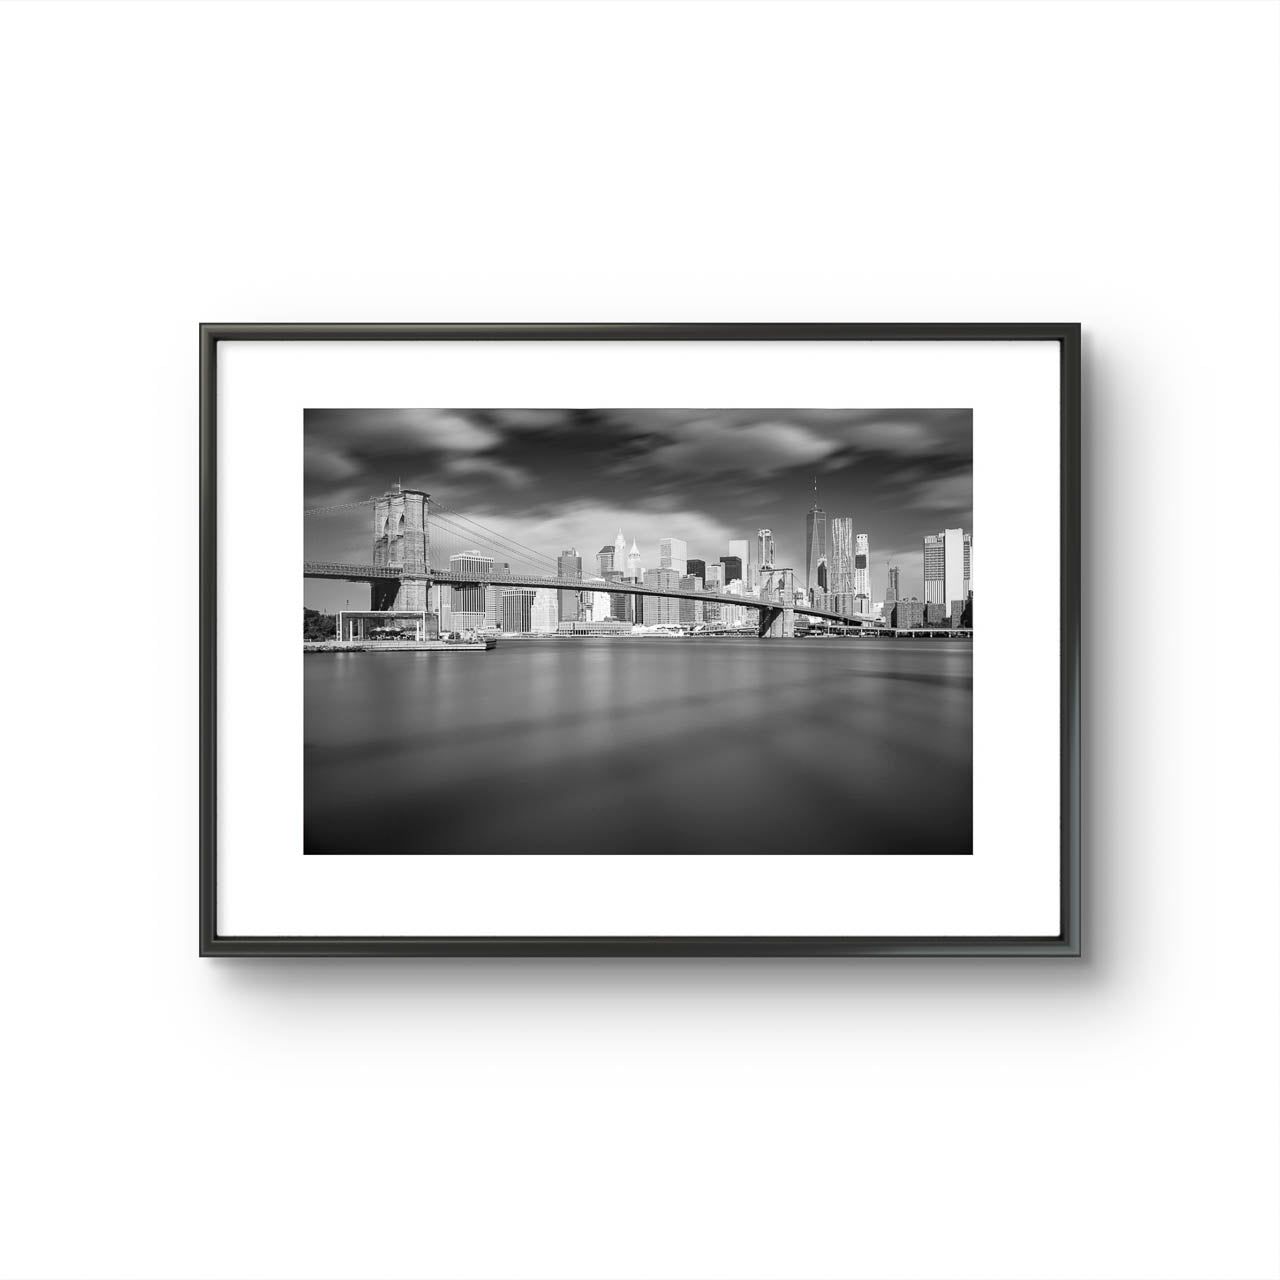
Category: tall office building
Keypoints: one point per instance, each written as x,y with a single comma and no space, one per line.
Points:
619,604
468,602
661,608
968,564
696,568
741,549
815,551
862,571
840,575
634,569
545,615
604,559
690,610
620,553
713,610
893,590
673,554
517,609
731,566
764,549
947,555
569,565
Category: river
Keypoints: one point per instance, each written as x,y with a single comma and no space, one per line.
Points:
643,746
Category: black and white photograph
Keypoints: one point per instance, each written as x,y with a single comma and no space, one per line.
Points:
594,631
651,861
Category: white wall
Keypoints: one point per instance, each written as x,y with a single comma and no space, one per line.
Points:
172,1117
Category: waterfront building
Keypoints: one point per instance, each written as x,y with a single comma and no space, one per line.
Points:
468,602
948,560
673,554
661,609
764,550
732,567
815,551
862,570
517,609
843,602
634,569
956,618
935,613
569,565
604,627
893,590
840,556
908,614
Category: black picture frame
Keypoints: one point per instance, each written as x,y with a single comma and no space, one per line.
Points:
1067,941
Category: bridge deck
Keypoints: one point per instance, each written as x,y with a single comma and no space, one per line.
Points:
370,573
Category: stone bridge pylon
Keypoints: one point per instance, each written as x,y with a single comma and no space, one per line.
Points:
401,540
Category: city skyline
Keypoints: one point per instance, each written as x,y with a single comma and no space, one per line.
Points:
554,479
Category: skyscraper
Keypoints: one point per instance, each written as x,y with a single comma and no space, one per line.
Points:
741,548
468,602
673,554
634,569
569,565
698,568
815,551
661,608
862,572
840,578
517,609
620,552
764,549
712,610
946,556
690,610
544,616
893,590
604,559
732,567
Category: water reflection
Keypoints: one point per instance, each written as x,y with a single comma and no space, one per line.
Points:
634,746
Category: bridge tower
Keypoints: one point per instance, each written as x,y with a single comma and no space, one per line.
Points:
401,540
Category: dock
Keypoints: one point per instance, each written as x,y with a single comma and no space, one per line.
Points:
396,646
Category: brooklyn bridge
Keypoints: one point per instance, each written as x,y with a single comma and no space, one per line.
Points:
413,538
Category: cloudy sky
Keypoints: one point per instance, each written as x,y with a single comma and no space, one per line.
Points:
556,478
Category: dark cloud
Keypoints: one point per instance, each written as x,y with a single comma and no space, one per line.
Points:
900,473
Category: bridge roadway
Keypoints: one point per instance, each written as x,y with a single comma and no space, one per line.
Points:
372,573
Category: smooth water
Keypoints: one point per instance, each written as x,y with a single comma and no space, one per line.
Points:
643,746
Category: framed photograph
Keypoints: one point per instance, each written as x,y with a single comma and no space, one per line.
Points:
669,640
